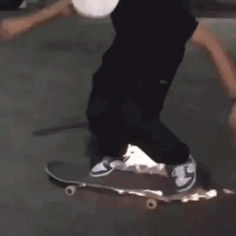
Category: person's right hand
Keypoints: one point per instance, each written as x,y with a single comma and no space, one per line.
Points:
13,27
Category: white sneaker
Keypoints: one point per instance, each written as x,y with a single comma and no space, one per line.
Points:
135,156
136,160
185,175
105,167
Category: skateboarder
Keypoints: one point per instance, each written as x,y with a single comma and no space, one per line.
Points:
130,87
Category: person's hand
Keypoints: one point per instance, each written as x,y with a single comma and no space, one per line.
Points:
13,27
232,118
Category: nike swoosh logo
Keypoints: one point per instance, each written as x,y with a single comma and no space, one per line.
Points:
182,182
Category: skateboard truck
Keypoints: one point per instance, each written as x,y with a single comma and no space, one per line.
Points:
71,190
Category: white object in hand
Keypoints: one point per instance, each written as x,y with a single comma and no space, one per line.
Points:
94,8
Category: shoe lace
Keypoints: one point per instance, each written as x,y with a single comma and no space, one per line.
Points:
128,154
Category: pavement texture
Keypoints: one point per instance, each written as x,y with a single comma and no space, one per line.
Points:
45,82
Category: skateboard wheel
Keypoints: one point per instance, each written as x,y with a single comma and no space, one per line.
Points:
70,190
151,204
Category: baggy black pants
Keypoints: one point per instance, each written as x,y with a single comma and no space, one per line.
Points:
130,114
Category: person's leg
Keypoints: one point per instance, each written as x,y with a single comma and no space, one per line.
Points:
161,144
108,134
146,131
141,115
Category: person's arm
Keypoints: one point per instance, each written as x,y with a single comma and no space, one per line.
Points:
62,8
206,40
12,27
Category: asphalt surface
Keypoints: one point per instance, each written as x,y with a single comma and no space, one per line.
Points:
45,82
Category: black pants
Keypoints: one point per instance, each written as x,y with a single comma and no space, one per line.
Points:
130,114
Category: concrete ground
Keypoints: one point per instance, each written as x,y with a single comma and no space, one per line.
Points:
45,82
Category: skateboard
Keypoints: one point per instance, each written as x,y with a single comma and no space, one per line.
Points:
125,183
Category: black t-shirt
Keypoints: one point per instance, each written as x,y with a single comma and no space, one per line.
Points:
150,40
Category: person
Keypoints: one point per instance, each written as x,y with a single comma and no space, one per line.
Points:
129,88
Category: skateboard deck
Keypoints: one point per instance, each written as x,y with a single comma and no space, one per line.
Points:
76,177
